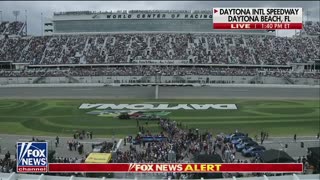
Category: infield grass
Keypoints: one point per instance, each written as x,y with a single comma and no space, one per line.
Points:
63,117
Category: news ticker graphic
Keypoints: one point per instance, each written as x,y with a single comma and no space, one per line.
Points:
257,18
175,167
32,156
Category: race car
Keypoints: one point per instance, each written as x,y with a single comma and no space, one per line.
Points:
253,151
241,146
241,140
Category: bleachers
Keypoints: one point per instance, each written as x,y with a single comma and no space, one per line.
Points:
11,28
312,28
126,48
163,70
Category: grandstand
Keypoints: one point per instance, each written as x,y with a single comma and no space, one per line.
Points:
173,44
253,55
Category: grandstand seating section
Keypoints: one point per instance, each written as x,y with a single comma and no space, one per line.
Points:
197,48
125,48
11,28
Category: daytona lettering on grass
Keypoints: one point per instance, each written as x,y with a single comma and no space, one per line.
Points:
159,106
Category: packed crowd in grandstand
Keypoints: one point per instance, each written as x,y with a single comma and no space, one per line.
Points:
129,48
11,28
312,28
159,70
223,49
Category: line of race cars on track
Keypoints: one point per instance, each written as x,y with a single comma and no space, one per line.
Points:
244,144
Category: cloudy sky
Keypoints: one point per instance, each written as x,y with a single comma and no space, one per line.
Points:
35,8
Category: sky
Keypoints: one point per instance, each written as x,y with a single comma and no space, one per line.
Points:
33,9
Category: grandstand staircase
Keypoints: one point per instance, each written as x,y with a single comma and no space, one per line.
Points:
87,45
24,51
21,31
314,45
251,50
149,42
45,50
5,30
104,45
244,42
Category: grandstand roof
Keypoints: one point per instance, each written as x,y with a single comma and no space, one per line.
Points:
130,11
135,21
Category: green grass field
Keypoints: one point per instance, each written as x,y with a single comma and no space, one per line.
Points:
62,117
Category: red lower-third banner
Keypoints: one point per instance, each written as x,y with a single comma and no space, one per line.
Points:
190,168
267,26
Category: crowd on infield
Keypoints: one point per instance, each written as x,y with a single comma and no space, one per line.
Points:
183,142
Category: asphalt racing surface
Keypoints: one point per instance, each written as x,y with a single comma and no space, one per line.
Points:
148,92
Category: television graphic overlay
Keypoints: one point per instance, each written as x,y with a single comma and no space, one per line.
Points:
176,167
32,156
273,18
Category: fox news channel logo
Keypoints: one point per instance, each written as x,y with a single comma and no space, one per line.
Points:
32,156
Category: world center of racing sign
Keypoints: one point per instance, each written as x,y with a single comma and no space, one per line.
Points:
159,106
257,18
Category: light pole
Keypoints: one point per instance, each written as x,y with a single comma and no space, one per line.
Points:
26,20
16,14
42,24
1,16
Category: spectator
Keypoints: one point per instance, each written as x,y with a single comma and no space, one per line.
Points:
57,139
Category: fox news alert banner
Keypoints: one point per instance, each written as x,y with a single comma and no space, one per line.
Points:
257,18
33,157
175,167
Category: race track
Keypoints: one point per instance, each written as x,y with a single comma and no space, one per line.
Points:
164,92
